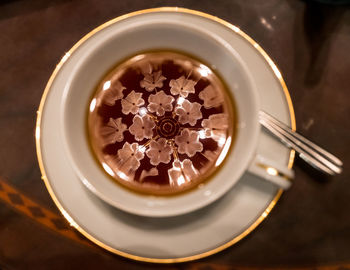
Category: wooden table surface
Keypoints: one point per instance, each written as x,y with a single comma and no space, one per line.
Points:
309,42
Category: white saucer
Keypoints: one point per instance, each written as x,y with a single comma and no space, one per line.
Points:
180,238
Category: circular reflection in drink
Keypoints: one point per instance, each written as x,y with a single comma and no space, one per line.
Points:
161,122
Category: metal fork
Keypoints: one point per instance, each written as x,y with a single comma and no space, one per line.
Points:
307,150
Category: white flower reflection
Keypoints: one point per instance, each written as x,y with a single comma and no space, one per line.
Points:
113,91
130,156
159,151
113,131
211,97
189,112
154,123
188,142
151,172
182,86
182,172
216,126
132,102
160,103
142,127
152,81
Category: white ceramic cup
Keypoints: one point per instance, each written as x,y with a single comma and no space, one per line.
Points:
156,31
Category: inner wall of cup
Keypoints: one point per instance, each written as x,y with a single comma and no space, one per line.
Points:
105,54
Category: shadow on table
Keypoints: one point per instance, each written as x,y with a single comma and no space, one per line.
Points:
312,172
320,21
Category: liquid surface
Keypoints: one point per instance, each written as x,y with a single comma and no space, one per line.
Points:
161,122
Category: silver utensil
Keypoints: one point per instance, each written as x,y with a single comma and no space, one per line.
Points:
307,150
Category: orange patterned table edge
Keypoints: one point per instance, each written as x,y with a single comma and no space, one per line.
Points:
28,207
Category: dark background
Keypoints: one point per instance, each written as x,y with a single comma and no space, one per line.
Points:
309,42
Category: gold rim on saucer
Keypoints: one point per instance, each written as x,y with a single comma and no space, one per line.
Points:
47,89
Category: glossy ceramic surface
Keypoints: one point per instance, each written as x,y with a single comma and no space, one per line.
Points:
169,239
136,34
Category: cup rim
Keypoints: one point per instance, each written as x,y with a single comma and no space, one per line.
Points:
173,212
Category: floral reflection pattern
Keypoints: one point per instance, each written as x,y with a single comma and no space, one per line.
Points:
164,120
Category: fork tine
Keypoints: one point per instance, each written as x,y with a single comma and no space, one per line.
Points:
307,153
314,162
317,148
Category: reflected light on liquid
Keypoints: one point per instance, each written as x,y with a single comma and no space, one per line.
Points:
122,175
221,141
143,111
93,105
106,85
108,169
139,57
223,152
180,100
180,180
204,70
142,148
202,134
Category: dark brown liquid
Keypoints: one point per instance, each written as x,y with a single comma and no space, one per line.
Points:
161,122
